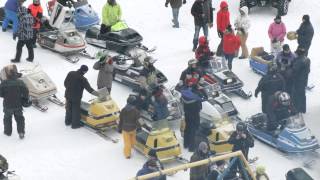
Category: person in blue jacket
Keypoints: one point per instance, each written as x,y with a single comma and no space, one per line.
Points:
11,10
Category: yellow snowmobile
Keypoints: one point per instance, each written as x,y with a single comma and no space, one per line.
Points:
100,114
161,139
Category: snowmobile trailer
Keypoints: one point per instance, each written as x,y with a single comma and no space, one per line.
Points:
294,138
63,37
100,114
160,138
217,71
40,87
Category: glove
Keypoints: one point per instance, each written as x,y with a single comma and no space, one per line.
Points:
184,2
166,4
95,93
256,93
220,34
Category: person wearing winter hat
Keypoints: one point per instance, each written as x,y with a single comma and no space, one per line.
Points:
105,75
128,124
200,172
277,31
75,83
242,25
305,34
231,44
149,167
223,21
37,13
24,34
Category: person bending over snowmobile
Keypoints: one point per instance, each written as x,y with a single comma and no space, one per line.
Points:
15,96
142,100
279,107
25,34
148,76
200,172
301,70
111,14
75,83
105,76
284,61
203,52
128,124
160,104
37,13
268,85
192,72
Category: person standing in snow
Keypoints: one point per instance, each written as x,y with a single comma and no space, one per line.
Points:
128,124
200,172
223,21
175,5
305,34
198,14
75,83
268,85
242,25
14,93
284,61
37,13
231,44
111,14
105,76
301,70
25,34
11,15
277,31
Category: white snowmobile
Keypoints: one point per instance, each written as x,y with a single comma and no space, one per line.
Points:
40,87
64,38
4,173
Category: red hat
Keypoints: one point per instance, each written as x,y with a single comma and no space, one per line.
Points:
202,41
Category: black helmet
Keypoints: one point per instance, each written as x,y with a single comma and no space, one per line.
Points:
26,102
241,126
3,165
131,100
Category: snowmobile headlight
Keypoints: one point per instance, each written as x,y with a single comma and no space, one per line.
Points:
230,80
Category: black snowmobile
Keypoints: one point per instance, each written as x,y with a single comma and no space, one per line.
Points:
281,5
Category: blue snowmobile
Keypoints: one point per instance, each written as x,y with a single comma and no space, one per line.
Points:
295,137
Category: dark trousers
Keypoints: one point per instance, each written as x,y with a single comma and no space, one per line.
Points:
192,124
229,58
299,98
35,34
73,113
20,44
7,120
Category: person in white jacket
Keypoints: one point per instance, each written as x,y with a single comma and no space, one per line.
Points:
242,25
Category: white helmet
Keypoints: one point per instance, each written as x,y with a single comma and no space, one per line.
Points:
284,98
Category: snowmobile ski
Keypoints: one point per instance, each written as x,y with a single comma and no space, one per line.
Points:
243,94
72,59
54,99
39,107
103,134
85,54
310,87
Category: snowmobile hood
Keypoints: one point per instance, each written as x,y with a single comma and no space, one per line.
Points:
85,16
223,4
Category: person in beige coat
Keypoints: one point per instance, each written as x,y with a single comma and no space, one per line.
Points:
105,76
242,25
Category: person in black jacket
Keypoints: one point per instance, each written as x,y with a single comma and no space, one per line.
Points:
268,85
200,21
305,34
74,83
14,92
301,70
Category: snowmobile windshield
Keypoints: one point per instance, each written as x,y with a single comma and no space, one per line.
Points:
159,125
216,65
295,122
214,114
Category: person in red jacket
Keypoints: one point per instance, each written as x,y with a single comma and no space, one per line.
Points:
203,52
223,20
231,44
37,12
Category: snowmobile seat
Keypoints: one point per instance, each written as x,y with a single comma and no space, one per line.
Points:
298,174
93,32
142,137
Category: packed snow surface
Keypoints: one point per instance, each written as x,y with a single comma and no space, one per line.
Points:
52,151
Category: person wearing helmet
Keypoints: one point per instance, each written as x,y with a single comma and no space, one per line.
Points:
191,74
24,34
279,107
203,52
300,71
148,75
242,25
128,124
14,92
37,13
268,85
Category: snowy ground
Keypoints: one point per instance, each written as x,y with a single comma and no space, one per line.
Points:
52,151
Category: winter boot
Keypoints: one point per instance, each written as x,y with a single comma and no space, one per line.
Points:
15,61
29,59
4,30
6,133
21,135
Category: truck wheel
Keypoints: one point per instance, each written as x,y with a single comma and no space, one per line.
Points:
283,7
